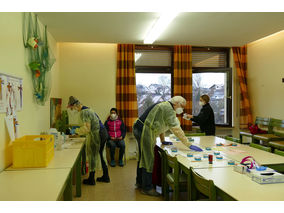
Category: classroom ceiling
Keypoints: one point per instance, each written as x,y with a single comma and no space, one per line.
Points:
193,28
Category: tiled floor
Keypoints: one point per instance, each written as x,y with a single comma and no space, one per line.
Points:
121,187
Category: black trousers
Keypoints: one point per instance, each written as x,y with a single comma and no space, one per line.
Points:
104,137
143,177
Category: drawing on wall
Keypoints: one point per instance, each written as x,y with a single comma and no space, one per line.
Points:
55,110
11,94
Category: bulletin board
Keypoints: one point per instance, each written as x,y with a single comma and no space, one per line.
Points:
11,94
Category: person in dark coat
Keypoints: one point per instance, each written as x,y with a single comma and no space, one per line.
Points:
205,118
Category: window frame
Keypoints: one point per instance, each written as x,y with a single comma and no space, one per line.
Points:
158,69
227,69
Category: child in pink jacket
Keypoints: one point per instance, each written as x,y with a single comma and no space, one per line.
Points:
116,131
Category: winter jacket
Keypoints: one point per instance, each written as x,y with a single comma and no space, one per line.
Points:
206,120
115,128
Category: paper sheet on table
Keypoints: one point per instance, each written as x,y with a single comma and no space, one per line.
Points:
218,148
10,126
234,151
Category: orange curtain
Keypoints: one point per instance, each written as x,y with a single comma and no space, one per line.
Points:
126,98
240,58
183,79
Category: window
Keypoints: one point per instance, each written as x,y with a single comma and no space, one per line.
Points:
152,88
214,84
211,75
153,76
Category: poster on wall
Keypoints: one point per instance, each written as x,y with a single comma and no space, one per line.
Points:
11,94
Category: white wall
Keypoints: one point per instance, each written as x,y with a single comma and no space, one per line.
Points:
265,73
33,118
88,72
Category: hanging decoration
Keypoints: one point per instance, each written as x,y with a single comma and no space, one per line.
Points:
33,42
39,58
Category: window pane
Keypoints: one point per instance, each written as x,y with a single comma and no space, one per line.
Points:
214,85
152,88
152,58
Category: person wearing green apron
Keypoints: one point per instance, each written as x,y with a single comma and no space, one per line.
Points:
154,122
96,136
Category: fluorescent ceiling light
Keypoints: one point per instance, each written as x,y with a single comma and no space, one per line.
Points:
158,28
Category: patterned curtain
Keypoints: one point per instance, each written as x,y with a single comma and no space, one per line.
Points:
183,79
240,58
126,98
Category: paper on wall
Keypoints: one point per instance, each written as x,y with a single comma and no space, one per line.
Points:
11,94
2,93
10,126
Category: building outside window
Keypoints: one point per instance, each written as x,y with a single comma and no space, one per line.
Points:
153,77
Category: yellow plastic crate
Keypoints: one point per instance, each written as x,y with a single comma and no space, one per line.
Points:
33,151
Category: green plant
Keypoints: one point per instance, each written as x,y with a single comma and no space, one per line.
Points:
62,124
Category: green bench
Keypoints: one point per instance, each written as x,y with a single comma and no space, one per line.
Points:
277,145
257,146
262,123
279,152
195,134
229,138
275,132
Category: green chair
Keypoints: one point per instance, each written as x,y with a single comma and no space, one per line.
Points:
275,132
174,178
263,124
279,152
277,145
237,140
195,134
201,186
257,146
163,169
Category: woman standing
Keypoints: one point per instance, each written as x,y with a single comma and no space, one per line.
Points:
96,137
205,118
